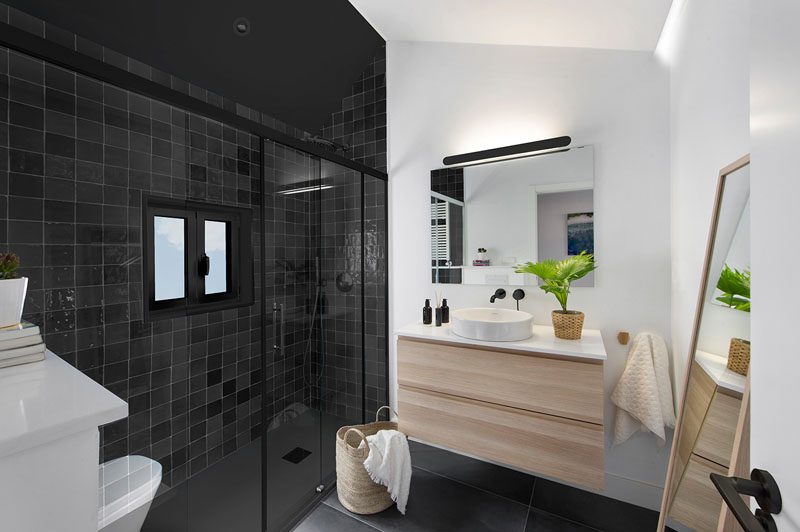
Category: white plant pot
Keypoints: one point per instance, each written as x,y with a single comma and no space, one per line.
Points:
12,299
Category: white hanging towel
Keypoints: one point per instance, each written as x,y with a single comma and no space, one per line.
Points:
389,464
644,393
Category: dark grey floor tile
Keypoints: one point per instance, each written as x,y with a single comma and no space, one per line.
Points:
440,504
544,522
505,482
227,495
168,512
591,509
326,519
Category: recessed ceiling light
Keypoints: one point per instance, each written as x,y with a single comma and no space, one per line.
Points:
241,27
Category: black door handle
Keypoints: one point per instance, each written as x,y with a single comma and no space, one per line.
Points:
763,488
204,265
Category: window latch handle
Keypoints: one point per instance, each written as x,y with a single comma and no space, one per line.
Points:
204,265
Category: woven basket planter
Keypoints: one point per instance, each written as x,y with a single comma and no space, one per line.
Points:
356,490
568,325
739,356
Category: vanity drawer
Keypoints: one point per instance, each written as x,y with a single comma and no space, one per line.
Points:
552,446
697,503
715,441
534,382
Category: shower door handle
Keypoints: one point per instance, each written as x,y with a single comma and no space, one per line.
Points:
277,327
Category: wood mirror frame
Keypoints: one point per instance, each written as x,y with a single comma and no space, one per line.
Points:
740,459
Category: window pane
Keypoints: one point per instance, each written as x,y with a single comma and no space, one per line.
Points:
169,257
216,249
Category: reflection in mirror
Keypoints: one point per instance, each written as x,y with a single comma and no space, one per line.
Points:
716,378
487,218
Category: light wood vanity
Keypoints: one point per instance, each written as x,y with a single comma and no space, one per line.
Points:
535,405
705,446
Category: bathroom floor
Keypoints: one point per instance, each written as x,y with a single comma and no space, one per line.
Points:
450,492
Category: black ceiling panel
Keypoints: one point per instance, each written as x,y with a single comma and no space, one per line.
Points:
298,61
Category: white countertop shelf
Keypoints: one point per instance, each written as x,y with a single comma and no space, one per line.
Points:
48,400
590,346
717,368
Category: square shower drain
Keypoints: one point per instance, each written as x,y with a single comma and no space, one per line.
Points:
296,455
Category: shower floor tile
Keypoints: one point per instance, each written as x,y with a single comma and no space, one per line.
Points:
326,519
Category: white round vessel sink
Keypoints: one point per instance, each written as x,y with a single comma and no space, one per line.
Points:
492,324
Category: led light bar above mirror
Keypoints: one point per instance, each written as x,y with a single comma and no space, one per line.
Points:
527,149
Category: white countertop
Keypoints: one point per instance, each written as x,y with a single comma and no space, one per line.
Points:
543,341
717,368
44,401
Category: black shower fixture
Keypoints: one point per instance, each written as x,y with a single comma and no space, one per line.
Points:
537,147
325,143
241,27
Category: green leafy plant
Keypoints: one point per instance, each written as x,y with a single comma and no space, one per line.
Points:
735,288
557,275
9,263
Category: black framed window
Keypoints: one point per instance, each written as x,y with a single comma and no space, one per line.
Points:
197,257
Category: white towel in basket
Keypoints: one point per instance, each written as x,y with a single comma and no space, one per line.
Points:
389,464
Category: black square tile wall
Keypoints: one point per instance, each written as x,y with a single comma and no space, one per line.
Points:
449,182
289,228
361,123
375,299
337,364
338,360
288,277
76,158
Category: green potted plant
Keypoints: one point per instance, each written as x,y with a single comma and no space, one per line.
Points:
557,276
12,290
735,288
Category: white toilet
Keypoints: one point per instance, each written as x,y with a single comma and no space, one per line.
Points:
127,487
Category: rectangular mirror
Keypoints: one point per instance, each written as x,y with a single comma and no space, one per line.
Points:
713,405
487,218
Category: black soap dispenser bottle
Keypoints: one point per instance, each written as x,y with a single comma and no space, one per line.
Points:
445,312
427,313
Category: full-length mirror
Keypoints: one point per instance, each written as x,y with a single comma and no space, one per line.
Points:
709,432
487,218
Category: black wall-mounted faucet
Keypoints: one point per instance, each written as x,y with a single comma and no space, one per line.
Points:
518,294
498,294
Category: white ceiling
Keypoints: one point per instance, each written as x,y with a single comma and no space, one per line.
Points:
613,24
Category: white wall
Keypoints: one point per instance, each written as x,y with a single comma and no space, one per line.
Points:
775,191
452,98
706,50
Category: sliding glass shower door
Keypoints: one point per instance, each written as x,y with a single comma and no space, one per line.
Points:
313,285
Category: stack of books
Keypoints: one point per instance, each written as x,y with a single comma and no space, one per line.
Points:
20,344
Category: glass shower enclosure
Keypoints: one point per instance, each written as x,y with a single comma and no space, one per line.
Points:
324,241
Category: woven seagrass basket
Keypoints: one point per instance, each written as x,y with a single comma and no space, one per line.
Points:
739,356
356,490
568,325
